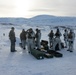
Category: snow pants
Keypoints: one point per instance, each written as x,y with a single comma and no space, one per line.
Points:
57,41
12,46
23,43
30,44
66,42
38,43
70,43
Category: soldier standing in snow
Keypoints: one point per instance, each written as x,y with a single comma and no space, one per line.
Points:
51,38
37,38
23,38
12,39
57,40
31,39
71,37
65,37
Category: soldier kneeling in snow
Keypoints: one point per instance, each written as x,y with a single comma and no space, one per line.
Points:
71,37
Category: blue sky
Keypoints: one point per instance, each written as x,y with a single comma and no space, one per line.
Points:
30,8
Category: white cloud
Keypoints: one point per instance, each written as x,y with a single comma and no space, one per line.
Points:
30,7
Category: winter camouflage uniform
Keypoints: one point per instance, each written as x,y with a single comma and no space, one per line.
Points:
12,39
23,38
57,40
71,37
31,40
65,37
38,37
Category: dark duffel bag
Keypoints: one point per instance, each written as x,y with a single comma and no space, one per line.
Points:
55,53
44,43
37,54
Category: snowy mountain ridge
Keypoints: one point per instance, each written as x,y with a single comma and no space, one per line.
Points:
40,20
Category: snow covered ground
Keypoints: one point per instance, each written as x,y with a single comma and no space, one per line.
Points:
23,63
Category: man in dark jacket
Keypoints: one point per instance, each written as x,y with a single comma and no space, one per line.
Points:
51,38
23,38
12,39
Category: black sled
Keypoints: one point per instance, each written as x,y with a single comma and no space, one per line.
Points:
47,55
55,53
37,54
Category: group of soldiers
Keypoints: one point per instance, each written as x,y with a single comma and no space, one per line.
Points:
29,38
33,39
69,37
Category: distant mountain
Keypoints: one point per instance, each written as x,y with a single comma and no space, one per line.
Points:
40,20
52,20
15,21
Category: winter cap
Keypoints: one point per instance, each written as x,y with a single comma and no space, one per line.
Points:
36,29
12,27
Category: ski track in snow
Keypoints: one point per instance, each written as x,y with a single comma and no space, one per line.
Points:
23,63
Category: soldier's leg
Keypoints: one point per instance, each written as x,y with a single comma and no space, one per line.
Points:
71,49
39,46
58,41
22,43
32,44
69,45
28,45
65,42
12,46
54,45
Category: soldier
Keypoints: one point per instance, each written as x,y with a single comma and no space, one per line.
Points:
65,37
31,39
12,39
37,38
23,38
71,37
51,38
57,40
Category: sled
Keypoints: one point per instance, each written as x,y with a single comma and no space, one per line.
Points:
47,55
37,54
55,53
